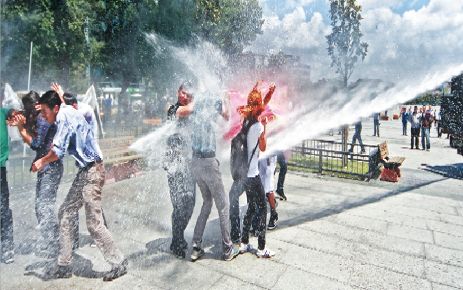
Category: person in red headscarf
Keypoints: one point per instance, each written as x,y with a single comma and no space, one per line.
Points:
254,130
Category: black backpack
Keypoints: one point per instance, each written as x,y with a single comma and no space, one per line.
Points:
239,164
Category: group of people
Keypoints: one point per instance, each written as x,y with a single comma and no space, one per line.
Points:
54,124
191,158
421,121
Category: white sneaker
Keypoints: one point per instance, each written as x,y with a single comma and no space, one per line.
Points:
265,253
245,248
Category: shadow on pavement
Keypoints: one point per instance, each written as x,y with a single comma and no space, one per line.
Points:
310,216
451,170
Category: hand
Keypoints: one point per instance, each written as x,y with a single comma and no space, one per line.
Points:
272,86
37,165
57,88
17,120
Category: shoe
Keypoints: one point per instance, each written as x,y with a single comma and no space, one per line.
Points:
246,248
196,253
232,253
179,252
8,257
428,150
265,253
272,224
116,272
58,272
281,193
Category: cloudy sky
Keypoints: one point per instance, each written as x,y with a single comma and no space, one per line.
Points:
406,38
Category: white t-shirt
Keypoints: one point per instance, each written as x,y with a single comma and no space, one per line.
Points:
266,172
253,137
89,115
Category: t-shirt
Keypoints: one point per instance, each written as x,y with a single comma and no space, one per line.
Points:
252,139
4,149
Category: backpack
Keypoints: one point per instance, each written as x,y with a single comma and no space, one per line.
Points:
239,163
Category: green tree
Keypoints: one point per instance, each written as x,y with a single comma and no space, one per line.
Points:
230,24
56,27
344,45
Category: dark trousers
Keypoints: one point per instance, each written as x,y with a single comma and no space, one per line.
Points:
376,128
404,128
182,196
6,215
281,160
45,199
236,190
256,205
415,132
357,136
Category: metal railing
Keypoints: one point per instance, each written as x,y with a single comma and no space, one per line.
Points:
322,156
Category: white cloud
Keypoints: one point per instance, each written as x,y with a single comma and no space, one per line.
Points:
400,45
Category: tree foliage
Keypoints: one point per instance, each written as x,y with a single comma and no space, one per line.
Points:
230,24
116,47
344,43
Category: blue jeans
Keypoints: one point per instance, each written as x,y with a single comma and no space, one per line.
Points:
425,135
45,199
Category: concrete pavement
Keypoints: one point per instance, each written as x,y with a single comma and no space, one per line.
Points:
332,234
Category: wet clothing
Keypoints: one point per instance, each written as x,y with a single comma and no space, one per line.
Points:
6,215
45,198
182,189
415,121
257,205
48,180
206,172
376,124
75,136
4,147
86,191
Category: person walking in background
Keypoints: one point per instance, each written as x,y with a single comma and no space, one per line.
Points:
404,117
414,119
358,136
283,164
426,123
376,124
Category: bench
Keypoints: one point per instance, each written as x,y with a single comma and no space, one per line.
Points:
391,170
120,162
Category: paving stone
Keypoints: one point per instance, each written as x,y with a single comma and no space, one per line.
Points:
308,260
448,241
436,286
460,211
294,278
410,233
367,237
390,217
398,262
444,274
457,220
452,229
373,277
230,283
360,222
316,241
414,212
444,255
426,203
